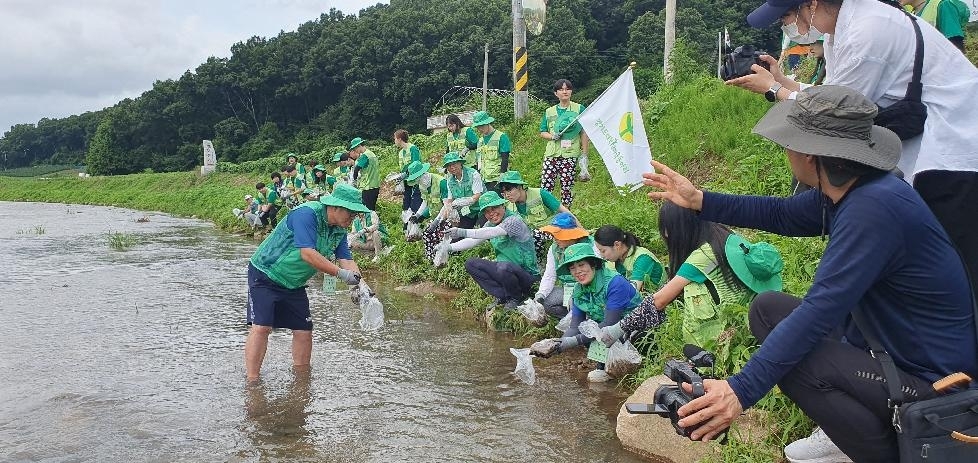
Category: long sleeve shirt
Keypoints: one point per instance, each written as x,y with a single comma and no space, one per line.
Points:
887,256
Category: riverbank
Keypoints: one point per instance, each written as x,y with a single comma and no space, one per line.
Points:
701,128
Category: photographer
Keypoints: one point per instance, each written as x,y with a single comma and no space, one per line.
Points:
887,257
870,49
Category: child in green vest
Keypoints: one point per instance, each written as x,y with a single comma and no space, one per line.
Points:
709,265
555,290
625,254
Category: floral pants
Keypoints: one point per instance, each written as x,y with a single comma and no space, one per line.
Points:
554,167
432,239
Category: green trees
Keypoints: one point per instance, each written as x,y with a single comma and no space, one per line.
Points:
104,155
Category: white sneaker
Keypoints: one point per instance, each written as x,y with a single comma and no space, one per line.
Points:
817,448
598,376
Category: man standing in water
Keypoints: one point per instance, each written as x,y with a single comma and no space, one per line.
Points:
309,238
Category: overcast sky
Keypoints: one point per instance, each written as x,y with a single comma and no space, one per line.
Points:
64,57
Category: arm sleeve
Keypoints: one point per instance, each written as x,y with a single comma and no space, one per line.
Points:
647,268
471,139
549,200
343,250
516,228
543,123
577,316
363,161
504,144
947,20
486,233
302,222
477,185
415,153
443,186
691,273
503,161
620,293
799,215
854,260
549,275
872,70
464,244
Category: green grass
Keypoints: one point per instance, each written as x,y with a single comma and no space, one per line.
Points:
35,230
122,241
36,171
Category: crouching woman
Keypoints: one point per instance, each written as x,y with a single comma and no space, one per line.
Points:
601,294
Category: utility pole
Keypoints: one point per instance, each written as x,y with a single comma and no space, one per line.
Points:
670,39
485,78
521,102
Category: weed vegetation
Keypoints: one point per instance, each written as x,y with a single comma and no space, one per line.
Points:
122,241
698,126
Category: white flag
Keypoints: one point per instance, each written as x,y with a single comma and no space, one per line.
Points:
614,125
726,38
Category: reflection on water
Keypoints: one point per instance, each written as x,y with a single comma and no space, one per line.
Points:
138,355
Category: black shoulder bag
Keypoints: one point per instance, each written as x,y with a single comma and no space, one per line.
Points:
906,117
941,429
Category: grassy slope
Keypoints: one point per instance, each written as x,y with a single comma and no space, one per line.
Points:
698,127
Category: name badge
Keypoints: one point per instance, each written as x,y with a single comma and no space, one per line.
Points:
565,144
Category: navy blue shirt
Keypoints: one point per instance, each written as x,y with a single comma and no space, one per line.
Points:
888,256
305,225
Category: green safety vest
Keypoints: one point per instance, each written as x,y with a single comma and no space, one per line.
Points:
342,174
463,189
537,213
701,318
271,198
367,221
279,259
369,177
404,156
558,253
593,297
553,146
509,250
458,143
490,163
434,193
628,264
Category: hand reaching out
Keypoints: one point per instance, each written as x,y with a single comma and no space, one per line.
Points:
675,188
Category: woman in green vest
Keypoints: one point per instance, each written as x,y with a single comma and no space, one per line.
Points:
600,294
566,141
509,278
464,188
366,172
461,139
555,290
322,183
709,265
433,189
406,154
625,254
368,233
536,205
493,149
342,171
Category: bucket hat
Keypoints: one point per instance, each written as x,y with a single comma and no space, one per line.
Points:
757,265
319,167
291,155
416,169
832,121
338,156
355,143
576,252
511,177
482,118
450,158
347,197
490,199
771,11
564,227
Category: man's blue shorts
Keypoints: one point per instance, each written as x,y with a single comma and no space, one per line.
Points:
270,304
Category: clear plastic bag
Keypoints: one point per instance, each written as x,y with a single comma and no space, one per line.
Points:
524,366
534,312
442,252
413,231
398,189
623,359
589,328
371,310
564,323
583,163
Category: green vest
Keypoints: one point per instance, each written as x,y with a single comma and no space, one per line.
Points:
701,318
537,213
369,177
463,189
558,253
593,297
342,174
271,198
490,163
553,146
404,156
278,258
628,264
434,193
509,250
928,12
459,143
361,221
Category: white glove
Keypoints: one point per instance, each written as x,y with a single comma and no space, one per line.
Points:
349,277
456,232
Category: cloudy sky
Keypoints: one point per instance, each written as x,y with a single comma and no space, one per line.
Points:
64,57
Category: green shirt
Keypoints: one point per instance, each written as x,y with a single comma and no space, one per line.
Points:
545,127
549,201
369,176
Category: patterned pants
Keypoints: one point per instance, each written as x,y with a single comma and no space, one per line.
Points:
564,168
541,242
432,239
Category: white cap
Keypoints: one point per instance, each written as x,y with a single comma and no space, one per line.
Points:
247,197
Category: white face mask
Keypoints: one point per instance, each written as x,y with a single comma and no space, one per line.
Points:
812,36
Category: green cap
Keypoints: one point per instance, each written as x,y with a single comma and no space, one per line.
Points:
757,265
482,118
416,169
319,167
345,196
291,155
490,199
511,176
355,143
450,158
338,156
574,253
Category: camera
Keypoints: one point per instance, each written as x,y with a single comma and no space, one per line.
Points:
669,399
738,62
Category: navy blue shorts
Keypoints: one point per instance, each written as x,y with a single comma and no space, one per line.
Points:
270,304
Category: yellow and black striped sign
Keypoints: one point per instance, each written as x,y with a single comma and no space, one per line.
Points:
519,68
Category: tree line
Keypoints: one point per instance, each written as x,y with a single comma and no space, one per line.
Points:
341,76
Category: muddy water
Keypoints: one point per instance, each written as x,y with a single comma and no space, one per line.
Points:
136,355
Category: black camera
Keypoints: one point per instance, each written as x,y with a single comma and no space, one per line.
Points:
669,398
738,62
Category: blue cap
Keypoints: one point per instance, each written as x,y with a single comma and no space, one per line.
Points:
771,11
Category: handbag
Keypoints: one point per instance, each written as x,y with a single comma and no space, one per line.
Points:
940,429
906,117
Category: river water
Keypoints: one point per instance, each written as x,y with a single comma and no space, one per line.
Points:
137,355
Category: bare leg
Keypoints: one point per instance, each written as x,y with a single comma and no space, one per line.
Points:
255,347
301,349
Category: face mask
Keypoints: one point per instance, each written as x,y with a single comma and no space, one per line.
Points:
791,31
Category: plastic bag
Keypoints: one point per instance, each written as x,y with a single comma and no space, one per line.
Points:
589,328
442,252
398,189
583,163
524,366
564,323
413,232
371,310
534,312
623,359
